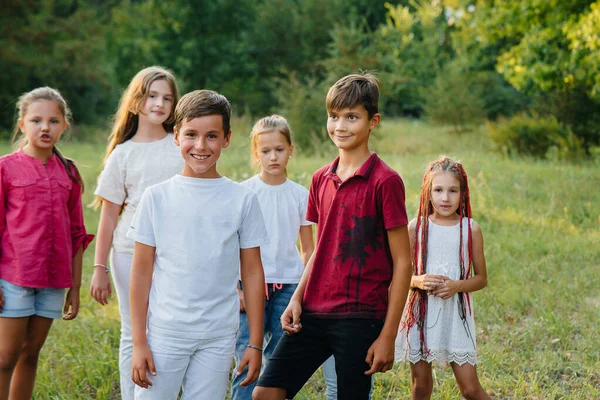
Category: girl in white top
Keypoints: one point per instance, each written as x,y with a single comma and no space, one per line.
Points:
449,264
141,152
283,204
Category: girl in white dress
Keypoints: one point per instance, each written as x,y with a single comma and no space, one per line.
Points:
141,152
449,264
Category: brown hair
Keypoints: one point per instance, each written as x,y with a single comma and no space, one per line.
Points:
417,301
272,123
131,103
200,103
353,90
50,94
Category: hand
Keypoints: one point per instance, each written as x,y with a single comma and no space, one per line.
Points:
428,282
1,300
242,301
253,359
142,361
380,355
100,287
447,289
71,308
290,319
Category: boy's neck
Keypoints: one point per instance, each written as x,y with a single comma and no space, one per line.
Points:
148,132
350,161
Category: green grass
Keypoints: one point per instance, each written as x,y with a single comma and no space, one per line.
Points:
537,321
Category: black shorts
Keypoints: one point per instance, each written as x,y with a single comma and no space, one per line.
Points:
298,356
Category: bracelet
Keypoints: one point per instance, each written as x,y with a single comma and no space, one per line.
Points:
254,347
106,269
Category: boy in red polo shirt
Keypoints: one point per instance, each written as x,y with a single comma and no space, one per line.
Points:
350,299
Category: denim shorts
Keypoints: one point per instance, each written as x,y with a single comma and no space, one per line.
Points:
21,301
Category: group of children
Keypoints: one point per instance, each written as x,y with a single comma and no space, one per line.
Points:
207,270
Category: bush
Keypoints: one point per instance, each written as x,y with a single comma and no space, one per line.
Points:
454,99
539,136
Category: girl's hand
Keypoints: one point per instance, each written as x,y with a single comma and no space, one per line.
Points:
100,287
242,301
427,282
252,358
71,308
141,362
1,300
290,319
447,289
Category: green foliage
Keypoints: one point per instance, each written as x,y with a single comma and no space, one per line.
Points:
537,136
454,99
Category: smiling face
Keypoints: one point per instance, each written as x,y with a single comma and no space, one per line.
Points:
201,140
349,128
273,152
159,103
42,125
445,195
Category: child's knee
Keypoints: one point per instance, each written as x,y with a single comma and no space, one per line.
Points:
264,393
470,391
422,387
8,360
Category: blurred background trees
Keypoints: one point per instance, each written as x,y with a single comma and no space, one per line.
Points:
457,62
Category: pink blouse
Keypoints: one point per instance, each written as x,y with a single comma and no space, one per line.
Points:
41,222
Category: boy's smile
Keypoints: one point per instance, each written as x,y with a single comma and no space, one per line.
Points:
201,141
349,128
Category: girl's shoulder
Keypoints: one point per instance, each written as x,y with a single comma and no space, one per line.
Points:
296,187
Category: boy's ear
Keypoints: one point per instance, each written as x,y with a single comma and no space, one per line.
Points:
227,139
375,120
176,136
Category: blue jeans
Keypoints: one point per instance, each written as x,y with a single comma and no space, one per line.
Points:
275,305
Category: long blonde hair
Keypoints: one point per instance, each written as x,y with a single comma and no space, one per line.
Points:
126,119
272,123
50,94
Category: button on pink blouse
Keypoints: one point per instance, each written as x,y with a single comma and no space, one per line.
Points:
41,222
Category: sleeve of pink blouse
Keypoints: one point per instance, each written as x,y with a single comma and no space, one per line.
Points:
2,206
79,236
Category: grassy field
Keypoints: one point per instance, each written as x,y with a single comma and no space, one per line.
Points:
538,321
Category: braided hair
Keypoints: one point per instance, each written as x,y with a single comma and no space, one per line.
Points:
417,301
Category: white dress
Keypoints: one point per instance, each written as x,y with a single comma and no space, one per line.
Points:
448,337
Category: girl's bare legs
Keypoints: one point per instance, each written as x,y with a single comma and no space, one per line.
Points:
422,380
12,334
23,378
468,383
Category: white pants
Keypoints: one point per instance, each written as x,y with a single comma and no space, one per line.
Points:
121,268
198,366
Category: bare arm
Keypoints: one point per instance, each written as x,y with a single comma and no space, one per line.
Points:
142,268
381,353
307,243
71,308
425,281
100,287
476,282
253,281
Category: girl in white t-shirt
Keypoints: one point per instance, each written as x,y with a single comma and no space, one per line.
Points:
283,204
141,152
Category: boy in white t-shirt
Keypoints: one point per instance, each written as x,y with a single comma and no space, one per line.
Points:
195,232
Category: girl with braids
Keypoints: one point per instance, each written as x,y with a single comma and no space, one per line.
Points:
42,239
449,264
141,152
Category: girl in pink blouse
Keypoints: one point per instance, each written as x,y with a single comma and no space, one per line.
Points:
42,239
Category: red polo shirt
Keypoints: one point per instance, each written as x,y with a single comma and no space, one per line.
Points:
353,265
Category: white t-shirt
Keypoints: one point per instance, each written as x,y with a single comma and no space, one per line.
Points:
284,209
130,169
198,227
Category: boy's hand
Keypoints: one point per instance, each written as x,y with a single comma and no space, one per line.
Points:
446,289
71,308
242,301
1,300
380,355
290,319
252,358
100,287
141,362
429,282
